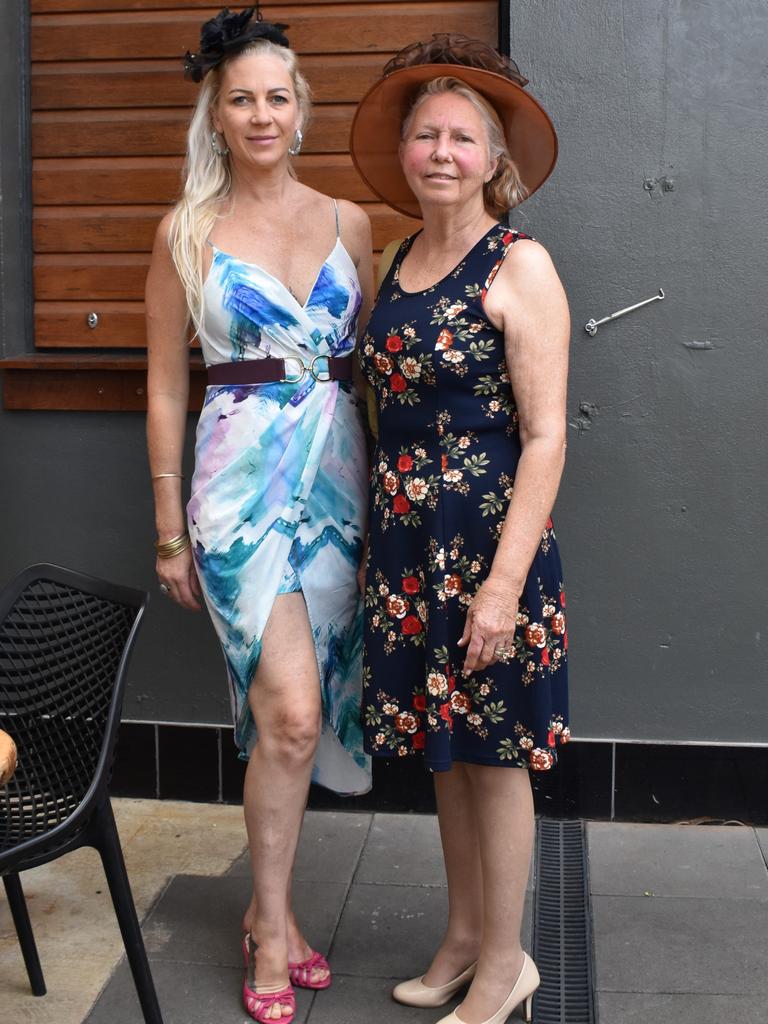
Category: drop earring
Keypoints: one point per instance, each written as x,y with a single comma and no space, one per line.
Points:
215,145
298,138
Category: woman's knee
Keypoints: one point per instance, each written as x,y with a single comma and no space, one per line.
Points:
291,733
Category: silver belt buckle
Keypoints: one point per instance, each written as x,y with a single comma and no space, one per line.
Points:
302,370
315,373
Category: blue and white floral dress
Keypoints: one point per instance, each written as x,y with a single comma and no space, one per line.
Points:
279,492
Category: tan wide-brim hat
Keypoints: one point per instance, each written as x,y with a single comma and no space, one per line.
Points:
376,128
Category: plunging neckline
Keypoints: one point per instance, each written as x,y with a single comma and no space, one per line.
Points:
303,306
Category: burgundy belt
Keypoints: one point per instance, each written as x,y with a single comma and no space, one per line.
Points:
290,370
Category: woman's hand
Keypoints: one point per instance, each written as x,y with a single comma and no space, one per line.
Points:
490,625
179,575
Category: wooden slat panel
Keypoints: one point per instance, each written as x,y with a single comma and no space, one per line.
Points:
121,180
86,390
63,6
68,229
322,29
160,83
63,325
141,132
79,276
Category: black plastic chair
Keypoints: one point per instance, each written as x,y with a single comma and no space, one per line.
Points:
65,642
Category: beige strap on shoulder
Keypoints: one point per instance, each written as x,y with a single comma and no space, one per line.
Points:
385,262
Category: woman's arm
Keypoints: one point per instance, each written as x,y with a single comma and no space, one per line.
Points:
167,400
528,303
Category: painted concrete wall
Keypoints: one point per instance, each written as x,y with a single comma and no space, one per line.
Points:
661,516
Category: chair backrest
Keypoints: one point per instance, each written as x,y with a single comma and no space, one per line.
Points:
65,640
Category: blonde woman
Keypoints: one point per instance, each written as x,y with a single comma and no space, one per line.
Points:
467,354
272,276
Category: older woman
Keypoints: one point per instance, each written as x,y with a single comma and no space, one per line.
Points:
466,351
271,275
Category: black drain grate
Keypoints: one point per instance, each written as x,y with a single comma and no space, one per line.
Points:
562,925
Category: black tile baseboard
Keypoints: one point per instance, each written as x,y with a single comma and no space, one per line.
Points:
597,780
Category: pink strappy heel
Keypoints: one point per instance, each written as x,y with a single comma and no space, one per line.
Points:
259,1002
301,973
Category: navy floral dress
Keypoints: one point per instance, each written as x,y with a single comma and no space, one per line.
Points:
441,479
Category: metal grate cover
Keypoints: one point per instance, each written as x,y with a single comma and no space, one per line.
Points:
562,925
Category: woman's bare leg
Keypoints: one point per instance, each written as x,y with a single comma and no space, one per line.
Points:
285,701
503,805
461,852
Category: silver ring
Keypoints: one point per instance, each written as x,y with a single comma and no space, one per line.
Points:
165,589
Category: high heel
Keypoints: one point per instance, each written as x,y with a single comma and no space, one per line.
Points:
527,982
259,1002
415,993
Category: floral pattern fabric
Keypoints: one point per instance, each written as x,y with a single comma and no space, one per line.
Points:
442,476
278,494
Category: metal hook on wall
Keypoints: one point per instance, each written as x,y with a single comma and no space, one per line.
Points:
591,326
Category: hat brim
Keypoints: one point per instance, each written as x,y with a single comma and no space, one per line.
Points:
376,129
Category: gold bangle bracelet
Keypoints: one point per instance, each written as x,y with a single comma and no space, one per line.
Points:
162,476
173,547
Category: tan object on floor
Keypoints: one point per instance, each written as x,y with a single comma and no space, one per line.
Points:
7,758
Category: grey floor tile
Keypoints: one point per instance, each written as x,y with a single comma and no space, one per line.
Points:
329,847
672,860
685,1008
188,994
392,931
352,1000
197,920
403,849
680,945
762,838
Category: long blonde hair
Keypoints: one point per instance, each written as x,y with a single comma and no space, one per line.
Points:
207,178
505,189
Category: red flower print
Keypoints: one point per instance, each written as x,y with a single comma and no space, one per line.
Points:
411,625
397,382
535,634
444,339
410,585
565,640
390,482
453,585
383,363
445,714
558,624
550,738
405,463
396,607
419,740
541,760
460,702
406,722
545,656
550,524
444,462
401,504
562,599
506,238
451,683
419,702
394,343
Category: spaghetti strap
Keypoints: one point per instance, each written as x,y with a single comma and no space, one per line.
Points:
336,211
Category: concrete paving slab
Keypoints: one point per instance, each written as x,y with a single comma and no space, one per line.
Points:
403,849
392,931
352,1000
685,1008
187,993
671,860
197,920
329,847
669,945
762,838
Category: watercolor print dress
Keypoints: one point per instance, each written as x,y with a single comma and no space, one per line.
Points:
279,492
442,477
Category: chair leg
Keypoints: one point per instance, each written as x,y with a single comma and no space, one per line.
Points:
105,833
24,931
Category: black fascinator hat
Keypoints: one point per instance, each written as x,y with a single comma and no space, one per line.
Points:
227,34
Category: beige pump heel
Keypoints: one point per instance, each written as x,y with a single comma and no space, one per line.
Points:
415,993
527,982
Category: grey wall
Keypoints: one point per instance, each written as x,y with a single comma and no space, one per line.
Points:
661,511
662,514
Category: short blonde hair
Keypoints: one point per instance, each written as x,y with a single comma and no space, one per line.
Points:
505,189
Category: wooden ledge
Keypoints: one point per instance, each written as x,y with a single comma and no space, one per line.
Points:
86,382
